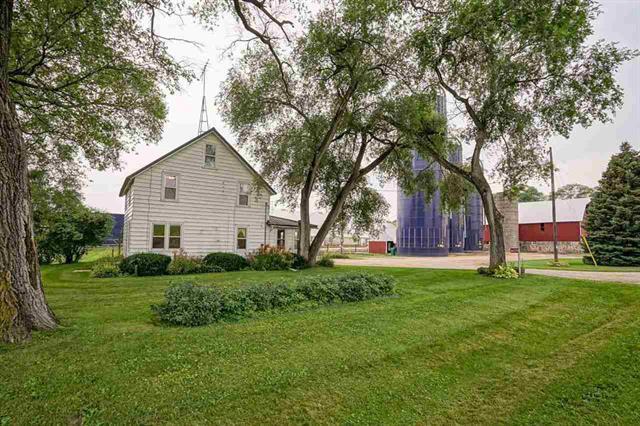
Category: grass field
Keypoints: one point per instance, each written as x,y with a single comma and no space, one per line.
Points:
576,264
454,347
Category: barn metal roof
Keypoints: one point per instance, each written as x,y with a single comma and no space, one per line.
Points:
540,211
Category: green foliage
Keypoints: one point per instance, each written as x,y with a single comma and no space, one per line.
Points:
67,233
337,255
505,272
182,264
145,264
346,287
526,194
299,262
226,261
519,72
326,261
190,305
613,216
269,258
105,270
573,190
88,80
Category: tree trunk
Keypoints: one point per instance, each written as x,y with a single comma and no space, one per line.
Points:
23,307
305,225
497,254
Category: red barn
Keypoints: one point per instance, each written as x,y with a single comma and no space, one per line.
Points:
535,224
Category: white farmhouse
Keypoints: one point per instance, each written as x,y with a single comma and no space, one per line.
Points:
200,198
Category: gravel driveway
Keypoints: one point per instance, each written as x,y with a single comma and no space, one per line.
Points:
473,261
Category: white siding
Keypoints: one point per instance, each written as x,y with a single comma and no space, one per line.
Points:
206,206
289,238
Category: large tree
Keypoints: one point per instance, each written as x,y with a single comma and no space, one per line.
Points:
519,72
315,115
527,194
613,216
80,81
573,190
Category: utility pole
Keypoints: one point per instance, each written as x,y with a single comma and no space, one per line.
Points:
553,209
203,124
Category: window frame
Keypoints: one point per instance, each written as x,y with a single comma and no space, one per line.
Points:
205,155
164,187
248,194
153,235
169,237
246,235
284,238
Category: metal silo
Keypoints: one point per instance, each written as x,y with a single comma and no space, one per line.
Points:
422,227
474,223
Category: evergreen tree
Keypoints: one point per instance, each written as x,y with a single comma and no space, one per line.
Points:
613,216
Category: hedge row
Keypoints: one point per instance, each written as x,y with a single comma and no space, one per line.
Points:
192,305
267,258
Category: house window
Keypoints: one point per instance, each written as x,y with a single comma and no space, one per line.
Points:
243,197
542,227
174,236
242,238
209,155
157,241
170,187
280,238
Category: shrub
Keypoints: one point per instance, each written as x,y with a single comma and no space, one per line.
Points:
326,261
105,270
145,264
272,296
299,262
483,270
190,305
505,271
269,258
226,261
182,264
348,287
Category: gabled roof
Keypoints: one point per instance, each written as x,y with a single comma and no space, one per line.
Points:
284,222
540,211
129,179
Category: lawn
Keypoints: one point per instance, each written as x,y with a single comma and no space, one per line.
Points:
454,347
576,264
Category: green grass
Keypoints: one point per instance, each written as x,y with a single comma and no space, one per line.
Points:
96,253
454,347
576,264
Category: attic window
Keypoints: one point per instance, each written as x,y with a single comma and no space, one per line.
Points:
243,196
209,156
170,187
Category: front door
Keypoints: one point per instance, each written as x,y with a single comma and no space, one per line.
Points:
280,239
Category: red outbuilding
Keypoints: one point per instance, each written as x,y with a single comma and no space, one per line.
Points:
535,223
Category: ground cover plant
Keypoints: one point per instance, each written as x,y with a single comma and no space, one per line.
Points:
191,305
456,347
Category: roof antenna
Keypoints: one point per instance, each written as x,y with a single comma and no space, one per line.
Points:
203,125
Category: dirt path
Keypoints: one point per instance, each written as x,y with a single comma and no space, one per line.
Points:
473,261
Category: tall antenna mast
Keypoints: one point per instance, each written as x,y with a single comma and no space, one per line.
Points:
203,125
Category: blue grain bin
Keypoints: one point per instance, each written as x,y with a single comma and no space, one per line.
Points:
474,223
423,229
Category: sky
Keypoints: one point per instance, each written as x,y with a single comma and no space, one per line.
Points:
579,159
